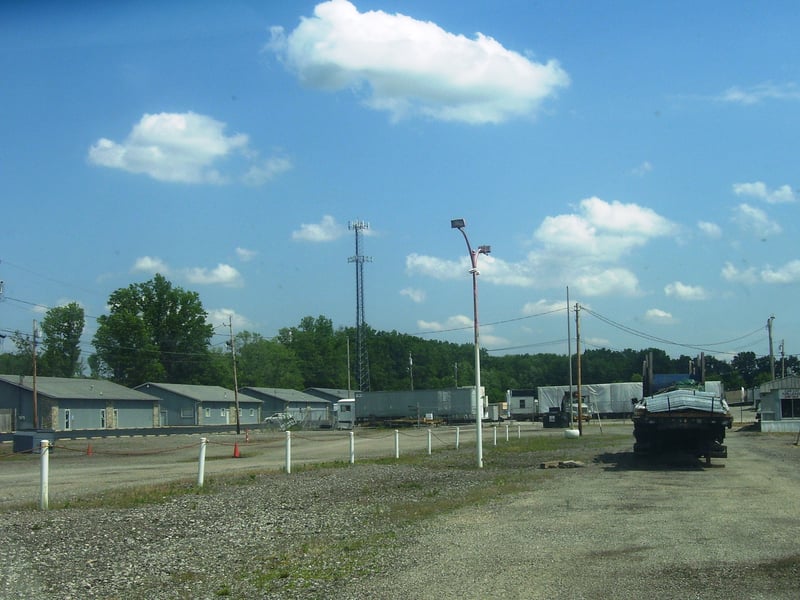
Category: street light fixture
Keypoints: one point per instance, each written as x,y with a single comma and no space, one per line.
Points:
473,256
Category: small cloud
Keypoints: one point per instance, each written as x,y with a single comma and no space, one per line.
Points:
682,291
417,296
734,275
454,322
643,169
246,255
408,67
224,316
617,281
755,221
220,275
326,230
758,189
711,230
656,315
788,273
758,93
150,264
267,170
543,307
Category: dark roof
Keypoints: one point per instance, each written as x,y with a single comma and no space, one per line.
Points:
198,393
284,394
332,394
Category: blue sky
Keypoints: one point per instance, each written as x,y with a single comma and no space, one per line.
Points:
641,154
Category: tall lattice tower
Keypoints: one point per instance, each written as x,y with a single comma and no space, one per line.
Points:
361,325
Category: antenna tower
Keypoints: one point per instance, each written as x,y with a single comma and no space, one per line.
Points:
361,325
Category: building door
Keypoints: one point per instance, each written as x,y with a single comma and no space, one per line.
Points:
102,418
67,419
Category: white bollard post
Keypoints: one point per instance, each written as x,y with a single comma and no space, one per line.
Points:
396,443
458,435
430,435
506,431
288,452
352,448
201,465
44,488
519,432
495,435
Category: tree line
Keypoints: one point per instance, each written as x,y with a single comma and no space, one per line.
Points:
155,331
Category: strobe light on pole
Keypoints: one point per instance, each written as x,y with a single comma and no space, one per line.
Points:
473,257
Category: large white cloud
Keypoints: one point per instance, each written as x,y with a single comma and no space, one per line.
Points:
185,148
789,273
415,67
222,274
582,249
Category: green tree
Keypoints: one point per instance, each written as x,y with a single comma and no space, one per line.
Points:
153,332
266,363
62,328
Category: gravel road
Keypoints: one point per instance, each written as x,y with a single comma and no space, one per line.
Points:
618,528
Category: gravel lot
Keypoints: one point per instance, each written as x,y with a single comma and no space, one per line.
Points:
618,528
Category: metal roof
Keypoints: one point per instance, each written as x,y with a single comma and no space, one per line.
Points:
198,393
77,388
284,394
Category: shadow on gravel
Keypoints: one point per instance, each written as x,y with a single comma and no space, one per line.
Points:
630,461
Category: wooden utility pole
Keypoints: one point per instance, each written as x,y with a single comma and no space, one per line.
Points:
235,380
35,399
578,353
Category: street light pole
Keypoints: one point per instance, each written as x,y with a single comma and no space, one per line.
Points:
473,256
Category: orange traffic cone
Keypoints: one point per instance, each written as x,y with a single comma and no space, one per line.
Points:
89,450
236,450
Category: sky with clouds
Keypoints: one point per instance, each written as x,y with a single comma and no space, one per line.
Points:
639,157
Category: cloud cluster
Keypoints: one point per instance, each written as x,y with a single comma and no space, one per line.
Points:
787,274
582,249
183,148
755,221
682,291
761,92
410,67
758,189
222,274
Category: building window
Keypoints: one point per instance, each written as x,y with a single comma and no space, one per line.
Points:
252,412
790,408
186,413
208,412
522,402
221,412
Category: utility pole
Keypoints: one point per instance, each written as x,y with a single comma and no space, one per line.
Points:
411,370
569,357
232,344
35,398
578,353
771,354
783,359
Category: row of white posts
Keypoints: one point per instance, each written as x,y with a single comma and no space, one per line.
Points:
45,457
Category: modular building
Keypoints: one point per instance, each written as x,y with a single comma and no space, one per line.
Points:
304,408
184,404
67,403
780,405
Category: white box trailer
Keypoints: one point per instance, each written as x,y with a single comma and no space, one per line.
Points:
606,399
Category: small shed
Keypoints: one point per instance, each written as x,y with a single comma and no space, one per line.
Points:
186,404
780,405
66,403
309,410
